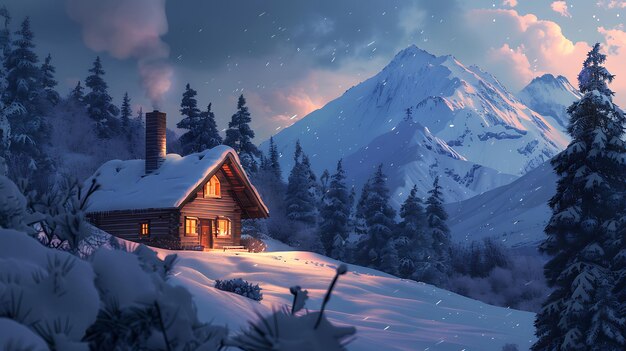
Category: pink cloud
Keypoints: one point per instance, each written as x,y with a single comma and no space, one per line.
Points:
561,8
611,4
615,48
510,3
532,45
507,59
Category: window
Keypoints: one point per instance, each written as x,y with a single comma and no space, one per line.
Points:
223,227
191,226
144,229
212,188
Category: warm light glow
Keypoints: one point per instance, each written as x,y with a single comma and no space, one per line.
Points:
191,226
223,227
144,229
212,188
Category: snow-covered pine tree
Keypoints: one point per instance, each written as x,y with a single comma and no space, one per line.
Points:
273,162
209,135
436,217
48,82
583,239
335,212
5,32
377,248
77,95
299,200
239,136
414,245
24,110
99,103
190,121
125,112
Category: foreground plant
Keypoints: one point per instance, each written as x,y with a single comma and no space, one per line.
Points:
285,330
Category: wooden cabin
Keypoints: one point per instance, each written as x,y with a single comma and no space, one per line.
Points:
192,202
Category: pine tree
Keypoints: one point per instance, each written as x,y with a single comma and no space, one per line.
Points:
335,212
125,113
5,33
583,237
209,135
377,248
273,161
299,200
77,94
201,127
414,245
23,98
436,217
48,82
239,136
99,103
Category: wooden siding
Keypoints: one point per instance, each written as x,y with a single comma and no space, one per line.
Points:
125,225
211,208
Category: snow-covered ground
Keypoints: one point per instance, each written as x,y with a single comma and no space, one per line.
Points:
389,313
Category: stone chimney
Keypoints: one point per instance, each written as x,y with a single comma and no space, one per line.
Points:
155,140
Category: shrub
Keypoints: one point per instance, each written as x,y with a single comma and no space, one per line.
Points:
240,287
253,244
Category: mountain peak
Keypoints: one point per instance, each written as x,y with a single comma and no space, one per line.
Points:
550,96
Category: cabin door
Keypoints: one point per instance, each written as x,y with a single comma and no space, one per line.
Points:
206,237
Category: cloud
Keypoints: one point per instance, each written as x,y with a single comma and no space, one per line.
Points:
535,44
128,29
615,48
611,4
560,7
509,3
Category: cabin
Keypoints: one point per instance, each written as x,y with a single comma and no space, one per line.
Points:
193,202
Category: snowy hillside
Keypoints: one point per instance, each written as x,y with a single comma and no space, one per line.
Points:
464,106
411,155
389,313
550,96
515,213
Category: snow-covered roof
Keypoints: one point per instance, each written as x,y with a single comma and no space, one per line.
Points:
125,186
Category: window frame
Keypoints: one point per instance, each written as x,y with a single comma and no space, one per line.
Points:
148,229
216,194
190,218
217,227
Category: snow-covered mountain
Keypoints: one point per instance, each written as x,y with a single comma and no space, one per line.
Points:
550,96
515,214
412,155
464,106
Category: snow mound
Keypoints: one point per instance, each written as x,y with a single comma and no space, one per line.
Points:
389,313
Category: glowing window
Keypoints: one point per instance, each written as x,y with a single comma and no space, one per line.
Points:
144,229
191,226
223,227
212,188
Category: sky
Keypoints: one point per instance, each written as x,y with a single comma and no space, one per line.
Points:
290,57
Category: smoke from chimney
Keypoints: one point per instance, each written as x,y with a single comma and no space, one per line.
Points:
129,29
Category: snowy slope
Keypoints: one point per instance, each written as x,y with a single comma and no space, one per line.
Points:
515,213
389,313
550,96
411,155
466,107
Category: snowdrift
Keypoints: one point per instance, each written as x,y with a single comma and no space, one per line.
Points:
389,313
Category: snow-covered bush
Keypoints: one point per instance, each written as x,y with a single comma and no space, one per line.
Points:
13,212
50,292
253,244
240,287
510,347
